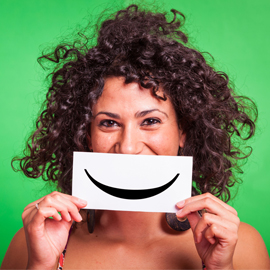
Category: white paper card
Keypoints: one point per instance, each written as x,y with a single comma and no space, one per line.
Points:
131,182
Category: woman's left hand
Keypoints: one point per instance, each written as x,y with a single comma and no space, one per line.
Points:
215,233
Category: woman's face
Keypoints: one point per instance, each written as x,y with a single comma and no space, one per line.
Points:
128,119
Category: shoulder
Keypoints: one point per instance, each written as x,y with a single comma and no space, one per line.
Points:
250,251
16,255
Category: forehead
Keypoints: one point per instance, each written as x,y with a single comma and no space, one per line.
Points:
118,95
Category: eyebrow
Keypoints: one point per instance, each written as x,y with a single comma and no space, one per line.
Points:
137,114
112,115
144,113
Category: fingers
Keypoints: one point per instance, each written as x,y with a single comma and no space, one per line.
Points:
207,196
217,233
63,205
208,202
43,213
51,204
77,201
212,226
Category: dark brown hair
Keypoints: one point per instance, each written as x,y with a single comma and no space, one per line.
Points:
142,47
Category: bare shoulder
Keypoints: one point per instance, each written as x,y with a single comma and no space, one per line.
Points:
250,252
16,255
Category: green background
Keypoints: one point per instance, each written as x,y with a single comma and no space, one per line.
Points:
235,32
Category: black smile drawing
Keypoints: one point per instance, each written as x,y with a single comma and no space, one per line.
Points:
131,194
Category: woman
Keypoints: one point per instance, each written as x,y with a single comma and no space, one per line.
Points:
140,90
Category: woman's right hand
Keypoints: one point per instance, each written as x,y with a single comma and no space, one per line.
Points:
46,237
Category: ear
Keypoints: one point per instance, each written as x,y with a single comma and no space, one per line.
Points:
182,138
89,141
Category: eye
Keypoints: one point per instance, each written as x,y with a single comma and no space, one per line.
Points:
108,123
150,122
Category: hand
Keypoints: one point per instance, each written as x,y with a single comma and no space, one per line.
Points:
46,237
215,233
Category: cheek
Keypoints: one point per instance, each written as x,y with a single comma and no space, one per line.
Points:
102,142
164,143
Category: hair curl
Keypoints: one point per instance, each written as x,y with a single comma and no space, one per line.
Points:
142,47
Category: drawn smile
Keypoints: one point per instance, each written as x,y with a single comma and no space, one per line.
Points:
131,194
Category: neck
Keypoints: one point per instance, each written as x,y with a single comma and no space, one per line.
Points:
131,226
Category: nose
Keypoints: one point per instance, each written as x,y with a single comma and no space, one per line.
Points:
129,141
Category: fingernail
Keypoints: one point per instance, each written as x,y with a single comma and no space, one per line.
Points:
181,203
80,217
82,201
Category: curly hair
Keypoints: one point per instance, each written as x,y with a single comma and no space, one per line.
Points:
146,48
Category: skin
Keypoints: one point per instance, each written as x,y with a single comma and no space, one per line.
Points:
127,119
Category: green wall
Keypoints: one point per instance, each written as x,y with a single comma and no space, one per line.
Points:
235,32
